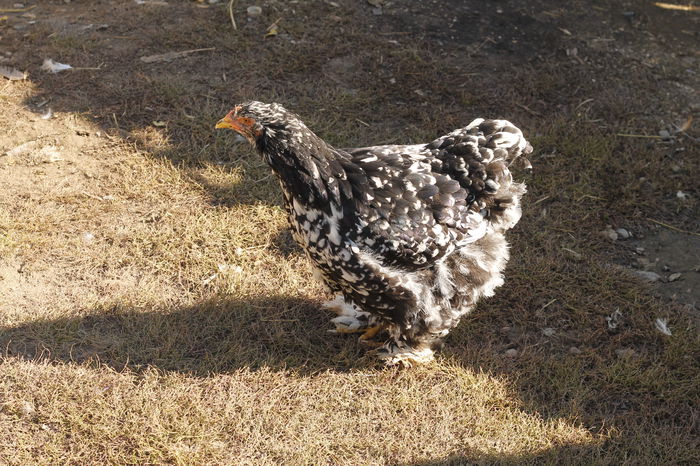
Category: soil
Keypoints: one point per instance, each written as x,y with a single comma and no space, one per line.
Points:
675,257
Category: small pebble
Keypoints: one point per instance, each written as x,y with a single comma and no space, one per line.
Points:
27,408
88,237
548,332
644,263
639,250
674,276
681,195
610,234
377,11
254,11
573,254
624,352
648,276
574,350
664,134
511,353
623,233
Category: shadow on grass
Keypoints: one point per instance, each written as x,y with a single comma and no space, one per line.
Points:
551,456
215,336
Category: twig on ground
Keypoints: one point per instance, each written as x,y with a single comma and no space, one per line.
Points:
547,305
532,112
671,6
85,193
89,67
488,39
172,55
230,14
590,196
671,227
650,136
583,103
16,10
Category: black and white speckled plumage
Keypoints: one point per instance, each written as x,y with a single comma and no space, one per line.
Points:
411,236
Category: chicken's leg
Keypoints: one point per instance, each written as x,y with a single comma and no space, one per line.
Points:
393,354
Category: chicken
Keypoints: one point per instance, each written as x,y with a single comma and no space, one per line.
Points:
408,237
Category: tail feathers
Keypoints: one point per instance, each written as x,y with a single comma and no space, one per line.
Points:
499,135
480,157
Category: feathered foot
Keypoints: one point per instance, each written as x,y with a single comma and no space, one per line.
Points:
350,324
349,319
340,306
401,354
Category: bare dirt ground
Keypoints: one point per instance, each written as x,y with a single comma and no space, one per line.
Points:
153,308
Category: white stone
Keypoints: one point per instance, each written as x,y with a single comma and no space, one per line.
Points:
648,276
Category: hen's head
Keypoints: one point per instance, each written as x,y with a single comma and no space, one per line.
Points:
257,122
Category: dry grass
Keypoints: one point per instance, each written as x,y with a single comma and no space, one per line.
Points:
153,308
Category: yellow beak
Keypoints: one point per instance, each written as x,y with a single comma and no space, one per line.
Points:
227,122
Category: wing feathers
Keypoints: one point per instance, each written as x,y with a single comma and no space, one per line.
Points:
429,199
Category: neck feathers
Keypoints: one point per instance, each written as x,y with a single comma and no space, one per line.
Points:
309,169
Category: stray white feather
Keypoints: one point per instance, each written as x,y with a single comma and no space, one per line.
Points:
662,326
54,66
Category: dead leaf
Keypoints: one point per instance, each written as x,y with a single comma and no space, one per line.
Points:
272,29
686,125
159,124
